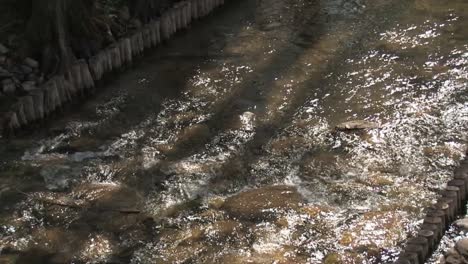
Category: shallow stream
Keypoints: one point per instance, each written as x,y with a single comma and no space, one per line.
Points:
222,147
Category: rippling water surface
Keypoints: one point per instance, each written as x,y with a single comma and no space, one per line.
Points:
221,147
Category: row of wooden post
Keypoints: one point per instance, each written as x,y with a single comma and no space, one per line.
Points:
80,79
439,216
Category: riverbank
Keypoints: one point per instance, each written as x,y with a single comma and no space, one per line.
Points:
28,96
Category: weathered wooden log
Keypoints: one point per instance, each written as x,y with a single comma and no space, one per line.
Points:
123,54
118,58
178,16
114,57
215,4
38,98
88,82
188,12
210,6
206,7
127,50
158,31
194,9
422,242
445,207
69,87
452,204
146,33
137,43
51,101
203,8
461,185
135,48
437,222
95,67
153,33
18,108
453,192
121,50
104,60
183,7
63,89
28,106
430,236
435,229
165,26
77,79
109,59
56,95
10,123
72,90
172,13
141,43
14,123
62,97
440,214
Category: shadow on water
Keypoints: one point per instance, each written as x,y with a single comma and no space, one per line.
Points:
111,220
259,91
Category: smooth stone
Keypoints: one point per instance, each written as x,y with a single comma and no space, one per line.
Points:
4,73
3,49
260,203
26,69
9,86
356,125
31,63
29,86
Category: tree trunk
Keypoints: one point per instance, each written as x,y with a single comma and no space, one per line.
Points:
52,25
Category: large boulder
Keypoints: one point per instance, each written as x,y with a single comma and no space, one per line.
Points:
458,254
258,204
462,247
452,257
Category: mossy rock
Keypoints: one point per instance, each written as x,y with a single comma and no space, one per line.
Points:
332,258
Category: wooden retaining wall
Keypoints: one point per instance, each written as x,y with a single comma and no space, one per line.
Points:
80,79
451,203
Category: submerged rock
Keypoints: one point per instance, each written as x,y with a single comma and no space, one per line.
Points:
452,257
3,49
356,125
459,253
260,203
462,248
59,177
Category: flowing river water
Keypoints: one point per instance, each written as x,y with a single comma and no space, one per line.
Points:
221,147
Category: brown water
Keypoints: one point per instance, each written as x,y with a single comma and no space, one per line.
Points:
220,147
